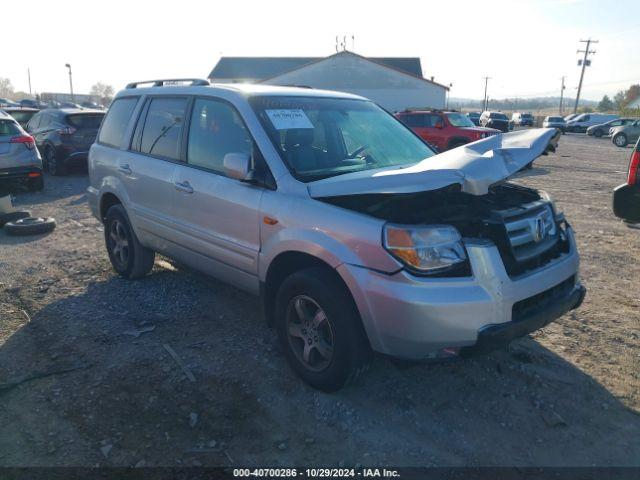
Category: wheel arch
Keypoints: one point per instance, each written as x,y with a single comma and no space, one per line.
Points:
285,264
108,200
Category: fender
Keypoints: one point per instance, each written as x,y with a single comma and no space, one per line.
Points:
322,246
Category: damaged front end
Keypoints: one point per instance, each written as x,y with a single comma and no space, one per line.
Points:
520,221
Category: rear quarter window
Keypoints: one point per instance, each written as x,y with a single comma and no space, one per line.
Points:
115,123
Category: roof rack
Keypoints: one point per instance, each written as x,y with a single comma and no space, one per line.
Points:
169,81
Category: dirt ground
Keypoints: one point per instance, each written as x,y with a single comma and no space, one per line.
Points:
85,379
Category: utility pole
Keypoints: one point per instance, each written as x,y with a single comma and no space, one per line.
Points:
585,63
484,102
70,81
561,95
29,75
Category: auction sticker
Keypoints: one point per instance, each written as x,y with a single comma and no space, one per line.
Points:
289,118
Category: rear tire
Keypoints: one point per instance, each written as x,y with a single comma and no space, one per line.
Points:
55,166
328,332
128,257
620,140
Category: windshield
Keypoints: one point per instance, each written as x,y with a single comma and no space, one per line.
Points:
555,119
498,116
527,115
22,116
459,120
324,137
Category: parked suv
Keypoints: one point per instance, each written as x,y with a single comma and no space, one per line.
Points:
497,120
522,119
19,159
443,130
626,197
355,234
64,135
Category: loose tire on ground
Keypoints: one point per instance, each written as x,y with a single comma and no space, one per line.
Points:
30,226
13,216
128,257
350,351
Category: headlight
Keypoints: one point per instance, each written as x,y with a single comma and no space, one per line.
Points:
545,196
427,249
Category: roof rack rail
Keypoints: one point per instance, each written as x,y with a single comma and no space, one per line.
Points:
168,81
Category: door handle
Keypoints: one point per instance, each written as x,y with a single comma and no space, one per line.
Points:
183,187
125,168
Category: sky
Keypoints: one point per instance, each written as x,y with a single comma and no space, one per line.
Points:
525,46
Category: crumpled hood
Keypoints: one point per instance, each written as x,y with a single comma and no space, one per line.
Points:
475,167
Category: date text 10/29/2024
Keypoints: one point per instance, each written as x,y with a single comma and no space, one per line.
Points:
315,473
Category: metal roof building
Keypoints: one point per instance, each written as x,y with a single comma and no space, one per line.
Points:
395,83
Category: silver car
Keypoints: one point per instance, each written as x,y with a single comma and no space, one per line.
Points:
355,234
20,162
554,122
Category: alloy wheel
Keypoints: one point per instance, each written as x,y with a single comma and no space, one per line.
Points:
119,243
309,332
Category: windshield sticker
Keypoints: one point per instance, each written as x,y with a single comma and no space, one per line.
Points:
288,119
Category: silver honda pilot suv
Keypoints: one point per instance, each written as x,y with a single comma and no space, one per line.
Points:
356,235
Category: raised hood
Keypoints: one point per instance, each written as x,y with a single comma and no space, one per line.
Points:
475,167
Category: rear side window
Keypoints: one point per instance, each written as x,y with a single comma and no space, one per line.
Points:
84,120
216,129
416,120
115,124
163,126
7,127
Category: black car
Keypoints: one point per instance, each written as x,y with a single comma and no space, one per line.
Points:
496,120
64,136
22,115
626,197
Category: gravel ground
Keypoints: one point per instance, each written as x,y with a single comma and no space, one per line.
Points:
85,379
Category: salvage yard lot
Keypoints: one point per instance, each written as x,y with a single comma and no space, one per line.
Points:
85,378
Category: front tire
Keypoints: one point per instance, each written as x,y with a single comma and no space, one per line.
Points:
128,257
597,133
320,330
620,140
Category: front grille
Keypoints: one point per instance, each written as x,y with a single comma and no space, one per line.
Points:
523,309
532,232
518,234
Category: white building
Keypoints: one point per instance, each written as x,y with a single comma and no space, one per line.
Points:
394,83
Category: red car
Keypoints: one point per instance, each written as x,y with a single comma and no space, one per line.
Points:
443,130
626,197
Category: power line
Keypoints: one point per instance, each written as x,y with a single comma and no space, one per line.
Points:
585,63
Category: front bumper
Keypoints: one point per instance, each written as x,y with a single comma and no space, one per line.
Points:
626,203
415,317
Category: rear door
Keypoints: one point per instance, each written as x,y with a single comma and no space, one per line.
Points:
217,217
149,168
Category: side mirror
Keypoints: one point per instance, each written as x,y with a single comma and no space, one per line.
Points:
237,165
439,125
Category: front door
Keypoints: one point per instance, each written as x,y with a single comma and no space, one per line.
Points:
217,217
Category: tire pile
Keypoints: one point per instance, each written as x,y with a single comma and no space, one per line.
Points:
22,223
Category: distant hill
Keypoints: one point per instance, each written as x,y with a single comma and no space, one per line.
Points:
511,104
